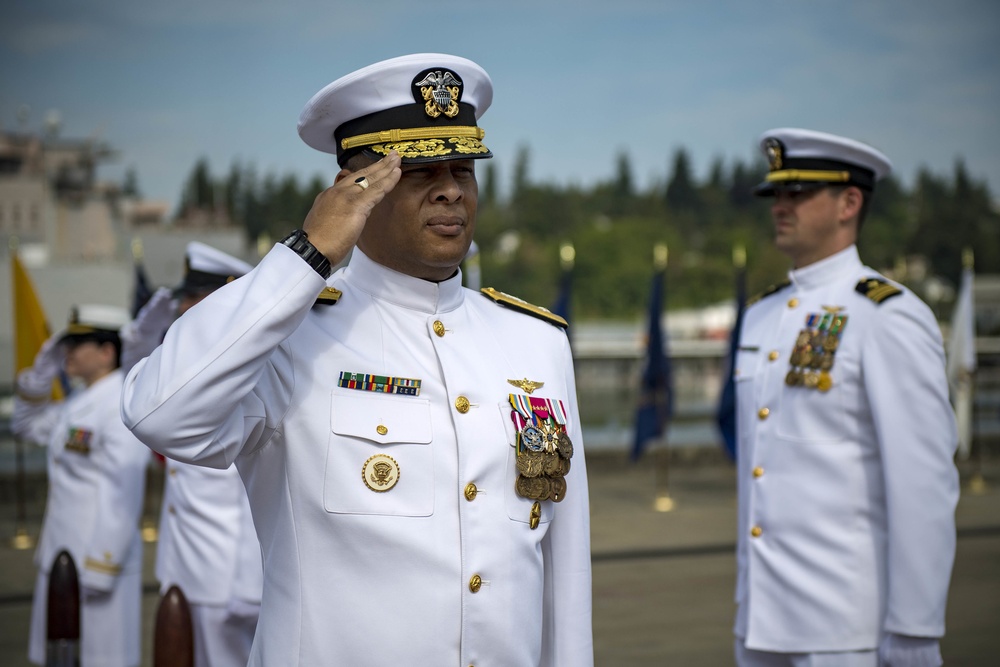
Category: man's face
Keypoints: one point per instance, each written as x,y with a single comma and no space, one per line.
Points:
424,226
810,225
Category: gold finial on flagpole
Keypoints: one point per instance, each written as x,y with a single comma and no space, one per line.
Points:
968,258
567,256
660,255
137,253
739,256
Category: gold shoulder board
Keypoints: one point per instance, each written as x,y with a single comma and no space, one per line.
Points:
522,306
328,297
768,292
877,289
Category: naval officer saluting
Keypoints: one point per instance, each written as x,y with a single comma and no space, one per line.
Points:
411,448
97,480
847,489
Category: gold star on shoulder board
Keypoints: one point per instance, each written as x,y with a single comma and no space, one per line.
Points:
526,385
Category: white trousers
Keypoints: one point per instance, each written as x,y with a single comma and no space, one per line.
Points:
746,657
223,636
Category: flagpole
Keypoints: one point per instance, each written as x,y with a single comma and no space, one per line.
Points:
663,502
977,482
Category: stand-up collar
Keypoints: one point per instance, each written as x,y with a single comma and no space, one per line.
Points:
822,272
385,284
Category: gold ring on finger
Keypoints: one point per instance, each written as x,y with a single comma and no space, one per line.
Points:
362,182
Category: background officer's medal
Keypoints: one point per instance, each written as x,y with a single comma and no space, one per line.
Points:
815,348
544,448
380,472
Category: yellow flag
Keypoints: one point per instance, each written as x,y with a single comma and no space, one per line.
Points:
30,328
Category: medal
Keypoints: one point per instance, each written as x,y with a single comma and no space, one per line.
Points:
544,449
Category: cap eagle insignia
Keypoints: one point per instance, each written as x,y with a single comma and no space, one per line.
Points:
774,151
440,90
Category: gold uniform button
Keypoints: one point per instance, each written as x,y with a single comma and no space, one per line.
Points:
535,516
793,302
173,471
773,355
439,328
471,491
756,531
475,583
381,429
763,413
172,510
758,472
462,404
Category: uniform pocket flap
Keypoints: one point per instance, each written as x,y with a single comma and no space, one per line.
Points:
381,418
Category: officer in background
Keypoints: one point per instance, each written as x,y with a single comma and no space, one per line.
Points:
847,489
406,443
97,478
207,543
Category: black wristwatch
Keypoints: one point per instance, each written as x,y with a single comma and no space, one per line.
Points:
298,241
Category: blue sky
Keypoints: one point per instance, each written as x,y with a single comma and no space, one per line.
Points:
578,82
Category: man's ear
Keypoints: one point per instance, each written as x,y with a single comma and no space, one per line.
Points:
341,175
851,201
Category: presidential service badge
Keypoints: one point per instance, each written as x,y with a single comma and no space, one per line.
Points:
380,473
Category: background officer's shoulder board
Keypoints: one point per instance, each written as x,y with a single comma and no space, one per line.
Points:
328,297
876,289
777,287
522,306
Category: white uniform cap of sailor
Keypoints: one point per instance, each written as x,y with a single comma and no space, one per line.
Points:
424,105
207,268
95,318
799,156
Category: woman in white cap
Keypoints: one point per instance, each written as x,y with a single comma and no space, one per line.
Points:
97,478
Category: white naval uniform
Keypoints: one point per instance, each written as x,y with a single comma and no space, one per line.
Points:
852,491
358,577
97,478
209,549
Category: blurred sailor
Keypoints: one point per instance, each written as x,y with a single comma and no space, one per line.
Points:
97,477
406,443
207,543
847,489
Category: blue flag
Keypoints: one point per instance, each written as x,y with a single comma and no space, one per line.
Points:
141,292
656,396
725,417
562,305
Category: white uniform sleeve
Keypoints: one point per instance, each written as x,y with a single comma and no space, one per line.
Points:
218,383
568,636
904,380
34,413
141,335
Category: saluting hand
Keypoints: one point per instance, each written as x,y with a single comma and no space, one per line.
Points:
340,212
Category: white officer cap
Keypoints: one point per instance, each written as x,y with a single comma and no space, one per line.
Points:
93,320
207,269
424,106
802,159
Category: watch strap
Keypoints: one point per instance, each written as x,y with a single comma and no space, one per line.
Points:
298,242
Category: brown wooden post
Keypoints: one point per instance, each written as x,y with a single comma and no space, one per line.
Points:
173,642
63,614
